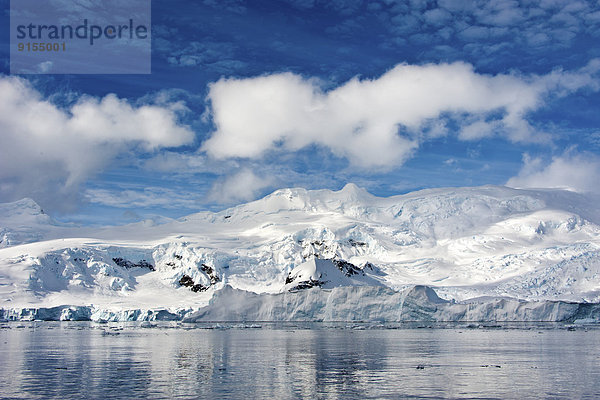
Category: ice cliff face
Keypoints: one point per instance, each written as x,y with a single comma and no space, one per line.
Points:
463,243
368,303
340,304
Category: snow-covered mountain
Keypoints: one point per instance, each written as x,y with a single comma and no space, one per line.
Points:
23,221
486,243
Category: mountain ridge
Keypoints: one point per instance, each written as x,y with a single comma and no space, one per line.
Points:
464,243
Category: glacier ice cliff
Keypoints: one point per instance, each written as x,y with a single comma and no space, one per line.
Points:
339,304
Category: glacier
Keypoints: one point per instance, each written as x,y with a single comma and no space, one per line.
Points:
340,304
380,304
487,253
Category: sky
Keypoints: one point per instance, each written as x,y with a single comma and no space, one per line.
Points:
246,97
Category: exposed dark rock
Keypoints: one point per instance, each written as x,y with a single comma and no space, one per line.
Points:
186,281
318,248
356,243
372,268
347,268
344,266
306,284
214,278
177,256
199,288
121,262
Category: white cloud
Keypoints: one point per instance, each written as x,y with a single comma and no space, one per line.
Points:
529,29
451,161
146,198
218,56
578,172
437,16
45,67
242,186
380,122
189,164
478,130
46,152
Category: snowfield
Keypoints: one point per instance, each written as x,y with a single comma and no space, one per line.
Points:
490,253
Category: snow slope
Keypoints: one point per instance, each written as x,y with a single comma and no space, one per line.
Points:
485,242
23,221
326,274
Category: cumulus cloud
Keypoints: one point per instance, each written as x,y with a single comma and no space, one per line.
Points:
46,152
379,122
574,171
241,186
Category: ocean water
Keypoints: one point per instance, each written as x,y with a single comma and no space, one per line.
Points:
174,361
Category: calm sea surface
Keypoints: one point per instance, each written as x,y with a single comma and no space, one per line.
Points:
86,360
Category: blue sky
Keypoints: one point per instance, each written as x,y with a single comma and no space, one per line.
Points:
391,95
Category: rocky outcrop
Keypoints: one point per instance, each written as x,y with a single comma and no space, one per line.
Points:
121,262
187,281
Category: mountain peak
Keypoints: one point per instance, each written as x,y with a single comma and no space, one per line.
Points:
354,192
303,199
25,206
22,221
289,193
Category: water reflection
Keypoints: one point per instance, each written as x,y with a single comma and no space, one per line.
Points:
80,363
54,360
